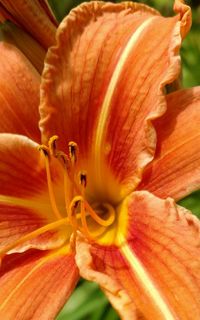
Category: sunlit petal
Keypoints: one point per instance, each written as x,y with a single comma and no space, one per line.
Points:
19,93
36,284
175,170
155,264
101,89
24,199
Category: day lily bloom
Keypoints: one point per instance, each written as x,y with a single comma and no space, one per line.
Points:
96,194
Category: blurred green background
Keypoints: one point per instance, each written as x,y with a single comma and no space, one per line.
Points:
88,302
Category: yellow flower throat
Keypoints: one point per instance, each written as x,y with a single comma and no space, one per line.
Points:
77,207
80,215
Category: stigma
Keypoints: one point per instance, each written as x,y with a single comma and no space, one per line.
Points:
81,215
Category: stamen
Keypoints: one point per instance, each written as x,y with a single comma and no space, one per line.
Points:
78,208
73,151
84,221
83,178
53,145
102,222
91,235
67,182
72,214
44,149
49,182
63,158
34,234
94,234
83,182
85,210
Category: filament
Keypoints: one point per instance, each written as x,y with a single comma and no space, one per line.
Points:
49,182
78,210
86,210
103,222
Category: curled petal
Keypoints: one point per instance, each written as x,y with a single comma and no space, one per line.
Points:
35,17
103,84
19,93
155,263
175,170
185,16
35,285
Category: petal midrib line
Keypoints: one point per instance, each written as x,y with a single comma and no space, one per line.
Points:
101,126
146,282
26,203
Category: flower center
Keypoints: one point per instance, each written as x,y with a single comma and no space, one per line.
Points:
92,220
80,214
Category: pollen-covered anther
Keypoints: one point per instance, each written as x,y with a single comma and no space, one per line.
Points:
73,151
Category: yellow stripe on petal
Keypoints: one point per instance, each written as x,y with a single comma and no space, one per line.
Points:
103,118
42,279
145,281
63,251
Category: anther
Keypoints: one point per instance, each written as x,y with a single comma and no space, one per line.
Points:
44,149
53,145
73,151
83,178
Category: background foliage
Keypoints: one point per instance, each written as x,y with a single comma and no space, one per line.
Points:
88,302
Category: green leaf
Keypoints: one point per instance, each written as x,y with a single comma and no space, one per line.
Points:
192,202
87,302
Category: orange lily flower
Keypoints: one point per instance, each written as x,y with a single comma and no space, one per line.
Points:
97,197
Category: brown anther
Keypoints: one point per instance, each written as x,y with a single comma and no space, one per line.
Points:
83,178
53,145
73,151
44,149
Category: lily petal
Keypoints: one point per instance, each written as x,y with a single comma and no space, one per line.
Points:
24,199
17,221
101,89
156,263
4,15
34,17
175,170
11,33
19,93
35,285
